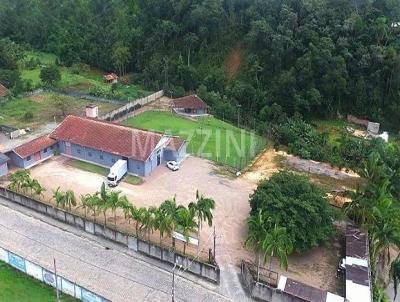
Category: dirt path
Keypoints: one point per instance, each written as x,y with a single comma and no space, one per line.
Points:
233,61
265,164
271,161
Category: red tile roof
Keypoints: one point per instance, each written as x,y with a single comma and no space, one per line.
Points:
190,101
3,90
175,143
34,146
110,77
107,137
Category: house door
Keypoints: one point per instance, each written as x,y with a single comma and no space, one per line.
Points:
68,148
37,156
158,159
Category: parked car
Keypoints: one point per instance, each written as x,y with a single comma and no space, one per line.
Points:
173,165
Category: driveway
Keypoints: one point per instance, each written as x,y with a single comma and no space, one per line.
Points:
317,267
231,196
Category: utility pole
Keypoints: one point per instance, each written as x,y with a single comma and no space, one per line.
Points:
55,274
214,245
173,281
239,114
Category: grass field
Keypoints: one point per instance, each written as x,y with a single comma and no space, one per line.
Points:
16,286
208,137
13,112
85,81
85,166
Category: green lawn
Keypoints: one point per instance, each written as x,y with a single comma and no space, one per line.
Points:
13,112
16,286
82,165
85,166
86,81
209,137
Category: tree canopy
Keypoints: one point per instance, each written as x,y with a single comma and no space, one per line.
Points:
315,58
290,201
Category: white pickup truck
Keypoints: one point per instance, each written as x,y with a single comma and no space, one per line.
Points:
117,171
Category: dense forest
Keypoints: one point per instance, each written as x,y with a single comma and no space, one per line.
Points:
268,58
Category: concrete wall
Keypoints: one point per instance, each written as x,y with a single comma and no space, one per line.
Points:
42,274
30,161
204,270
3,169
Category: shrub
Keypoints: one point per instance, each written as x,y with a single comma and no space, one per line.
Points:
28,116
50,75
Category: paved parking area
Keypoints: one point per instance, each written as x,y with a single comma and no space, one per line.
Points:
231,196
317,267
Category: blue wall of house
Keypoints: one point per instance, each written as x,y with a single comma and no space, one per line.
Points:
151,163
177,156
3,169
30,161
103,158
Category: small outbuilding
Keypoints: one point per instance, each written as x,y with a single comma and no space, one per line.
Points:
190,105
33,152
3,164
111,78
3,91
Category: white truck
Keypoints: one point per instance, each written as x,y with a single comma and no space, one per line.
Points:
117,171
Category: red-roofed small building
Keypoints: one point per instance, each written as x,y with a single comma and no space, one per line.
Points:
190,105
3,91
111,78
33,152
103,143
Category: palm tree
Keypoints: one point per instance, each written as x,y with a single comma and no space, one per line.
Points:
202,208
384,230
148,220
69,199
277,244
186,224
256,236
137,214
85,202
17,179
58,196
164,223
93,203
103,201
170,209
113,202
359,208
37,188
126,206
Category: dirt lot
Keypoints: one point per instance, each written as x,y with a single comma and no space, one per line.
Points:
317,268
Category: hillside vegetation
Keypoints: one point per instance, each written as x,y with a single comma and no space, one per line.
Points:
315,58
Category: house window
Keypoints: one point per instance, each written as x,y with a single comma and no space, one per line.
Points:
79,151
28,158
101,156
45,150
51,147
90,154
113,160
